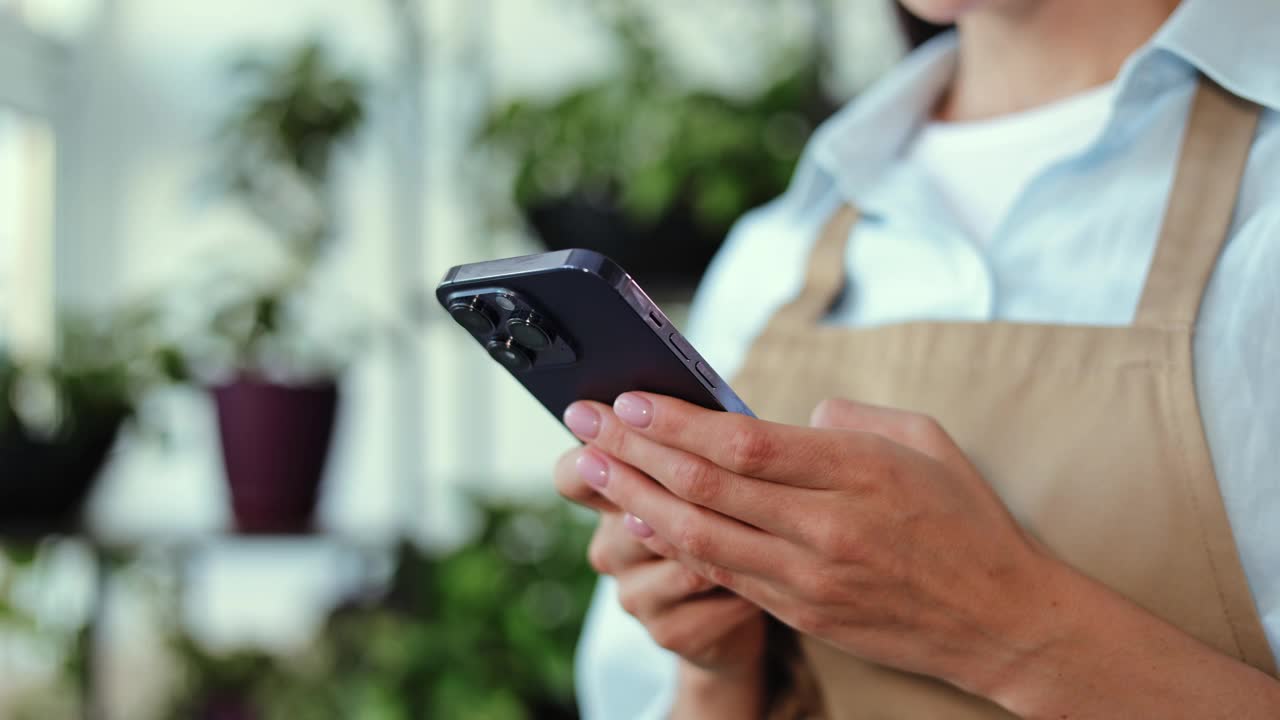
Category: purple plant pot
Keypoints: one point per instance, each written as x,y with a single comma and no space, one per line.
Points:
227,706
275,443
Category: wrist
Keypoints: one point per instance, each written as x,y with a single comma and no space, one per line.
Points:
1036,638
1084,649
732,692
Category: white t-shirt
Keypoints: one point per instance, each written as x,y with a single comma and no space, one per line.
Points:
978,169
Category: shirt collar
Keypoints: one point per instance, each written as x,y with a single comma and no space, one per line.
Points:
1231,41
858,144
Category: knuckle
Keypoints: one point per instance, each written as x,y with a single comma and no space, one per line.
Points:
692,538
695,480
750,450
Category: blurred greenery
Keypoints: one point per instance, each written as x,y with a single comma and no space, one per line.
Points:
642,138
102,365
64,647
277,146
484,632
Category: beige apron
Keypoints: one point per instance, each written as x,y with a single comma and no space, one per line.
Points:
1091,435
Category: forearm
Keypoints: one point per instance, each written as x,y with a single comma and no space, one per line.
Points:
1100,657
703,695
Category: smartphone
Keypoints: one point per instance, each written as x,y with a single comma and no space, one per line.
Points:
572,325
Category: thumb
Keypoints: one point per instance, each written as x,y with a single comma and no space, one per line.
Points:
913,430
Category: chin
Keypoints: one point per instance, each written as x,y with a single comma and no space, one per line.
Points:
941,12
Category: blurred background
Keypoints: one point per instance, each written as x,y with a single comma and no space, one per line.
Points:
248,468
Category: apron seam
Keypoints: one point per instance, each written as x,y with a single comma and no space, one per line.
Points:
1177,435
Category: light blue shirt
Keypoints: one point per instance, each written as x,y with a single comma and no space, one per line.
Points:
1074,249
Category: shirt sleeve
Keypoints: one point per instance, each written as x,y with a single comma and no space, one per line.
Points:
621,673
1237,344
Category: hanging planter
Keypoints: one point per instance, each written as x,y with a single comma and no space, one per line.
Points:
664,256
45,481
642,168
275,443
60,416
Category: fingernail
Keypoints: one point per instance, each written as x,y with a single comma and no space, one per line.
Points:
634,410
583,421
638,527
593,470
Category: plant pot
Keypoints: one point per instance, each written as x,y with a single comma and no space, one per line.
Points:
44,482
667,256
227,706
275,443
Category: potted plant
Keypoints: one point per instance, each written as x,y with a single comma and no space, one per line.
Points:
276,410
638,166
59,416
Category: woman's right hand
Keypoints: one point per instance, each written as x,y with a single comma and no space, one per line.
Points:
719,636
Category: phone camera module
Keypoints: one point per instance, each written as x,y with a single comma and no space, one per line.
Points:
509,355
528,331
472,315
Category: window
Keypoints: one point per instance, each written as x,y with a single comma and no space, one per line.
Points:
26,234
31,68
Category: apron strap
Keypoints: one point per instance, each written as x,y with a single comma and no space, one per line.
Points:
1201,206
1215,149
824,276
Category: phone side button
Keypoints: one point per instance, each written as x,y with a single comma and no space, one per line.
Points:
680,346
706,374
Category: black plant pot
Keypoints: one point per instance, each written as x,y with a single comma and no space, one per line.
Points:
667,256
275,444
44,482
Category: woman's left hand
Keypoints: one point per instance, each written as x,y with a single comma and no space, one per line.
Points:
870,530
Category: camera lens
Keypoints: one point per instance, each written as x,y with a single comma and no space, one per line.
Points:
509,355
472,315
528,332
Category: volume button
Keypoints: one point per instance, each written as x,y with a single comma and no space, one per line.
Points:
680,346
707,374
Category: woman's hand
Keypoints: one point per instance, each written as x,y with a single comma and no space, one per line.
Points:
718,635
872,531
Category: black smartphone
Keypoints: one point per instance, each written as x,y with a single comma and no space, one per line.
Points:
572,325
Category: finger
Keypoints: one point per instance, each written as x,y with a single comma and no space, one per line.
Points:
775,508
919,432
653,587
793,455
615,550
701,533
570,484
773,596
691,628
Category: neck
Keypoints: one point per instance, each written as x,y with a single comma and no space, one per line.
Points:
1028,53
